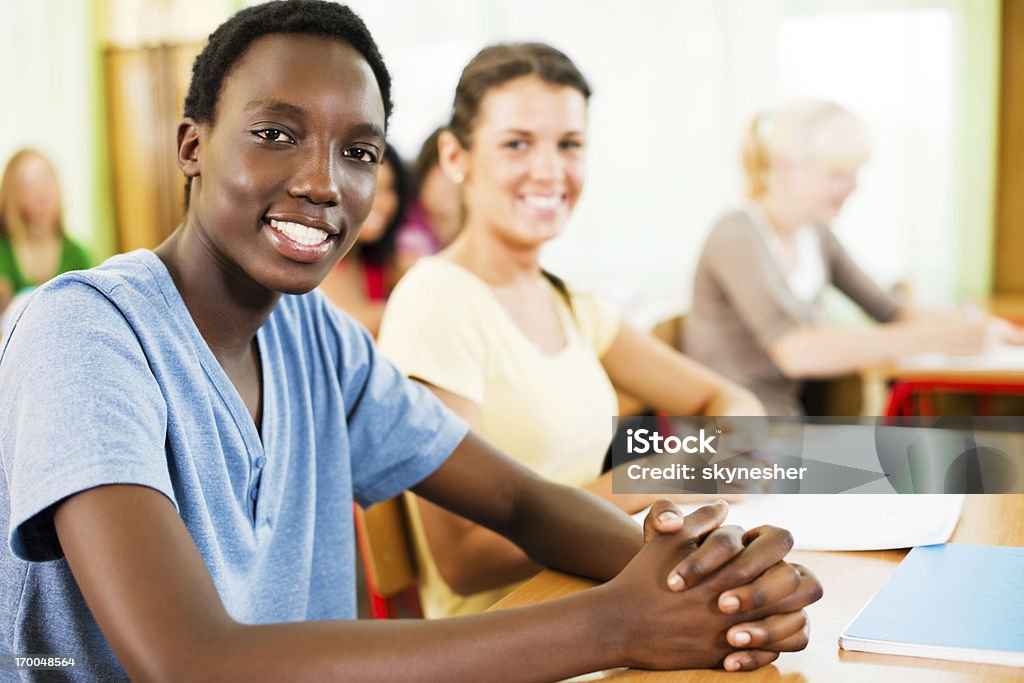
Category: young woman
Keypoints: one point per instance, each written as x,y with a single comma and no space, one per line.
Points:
530,362
757,294
183,432
360,284
434,215
33,244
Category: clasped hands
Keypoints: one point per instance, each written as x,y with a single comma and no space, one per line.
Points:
703,595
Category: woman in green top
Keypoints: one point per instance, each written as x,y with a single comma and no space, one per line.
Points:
33,244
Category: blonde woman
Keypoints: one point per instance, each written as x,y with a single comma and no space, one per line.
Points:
757,294
529,361
33,244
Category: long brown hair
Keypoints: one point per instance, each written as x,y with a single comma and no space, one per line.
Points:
496,65
12,223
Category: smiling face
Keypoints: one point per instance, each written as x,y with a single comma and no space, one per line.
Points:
523,173
286,175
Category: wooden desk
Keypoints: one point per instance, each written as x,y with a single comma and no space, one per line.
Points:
1009,306
850,580
875,380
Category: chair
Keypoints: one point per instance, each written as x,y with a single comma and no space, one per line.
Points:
388,559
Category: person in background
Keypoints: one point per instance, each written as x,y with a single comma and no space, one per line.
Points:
361,282
757,313
529,361
434,215
34,246
183,432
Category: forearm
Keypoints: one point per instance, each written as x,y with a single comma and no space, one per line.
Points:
828,351
629,503
469,557
156,604
670,382
589,537
472,558
556,526
549,641
915,314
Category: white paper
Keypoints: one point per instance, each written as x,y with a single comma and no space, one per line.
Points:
1008,358
849,522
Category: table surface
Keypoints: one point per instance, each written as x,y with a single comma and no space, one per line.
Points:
850,580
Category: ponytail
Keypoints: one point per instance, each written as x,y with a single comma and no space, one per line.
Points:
562,289
755,156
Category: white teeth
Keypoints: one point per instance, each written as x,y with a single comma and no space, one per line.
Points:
303,234
543,202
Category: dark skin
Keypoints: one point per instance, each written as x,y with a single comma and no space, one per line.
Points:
142,575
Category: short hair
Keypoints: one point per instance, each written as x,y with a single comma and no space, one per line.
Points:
228,43
383,251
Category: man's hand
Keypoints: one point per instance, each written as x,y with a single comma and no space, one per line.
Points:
716,590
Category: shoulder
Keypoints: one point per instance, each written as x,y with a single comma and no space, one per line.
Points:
138,271
583,299
733,239
91,319
122,282
436,307
735,224
433,274
597,318
438,289
829,241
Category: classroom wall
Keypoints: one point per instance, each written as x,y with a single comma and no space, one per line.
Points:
674,86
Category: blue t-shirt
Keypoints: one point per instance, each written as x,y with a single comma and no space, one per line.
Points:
105,379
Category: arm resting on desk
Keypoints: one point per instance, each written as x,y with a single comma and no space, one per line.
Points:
149,590
824,351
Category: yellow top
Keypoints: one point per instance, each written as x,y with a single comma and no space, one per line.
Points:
551,412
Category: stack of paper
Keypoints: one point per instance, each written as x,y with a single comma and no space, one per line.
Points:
850,522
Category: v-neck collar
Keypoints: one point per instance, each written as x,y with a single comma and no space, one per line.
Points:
254,441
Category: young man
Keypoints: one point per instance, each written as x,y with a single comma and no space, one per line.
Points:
183,432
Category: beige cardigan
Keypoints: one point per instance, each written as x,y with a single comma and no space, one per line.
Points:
741,304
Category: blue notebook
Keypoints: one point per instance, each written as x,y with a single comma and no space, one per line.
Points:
954,601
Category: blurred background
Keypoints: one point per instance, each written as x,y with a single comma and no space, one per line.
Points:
98,86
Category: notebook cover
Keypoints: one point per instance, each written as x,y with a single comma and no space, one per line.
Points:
953,601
